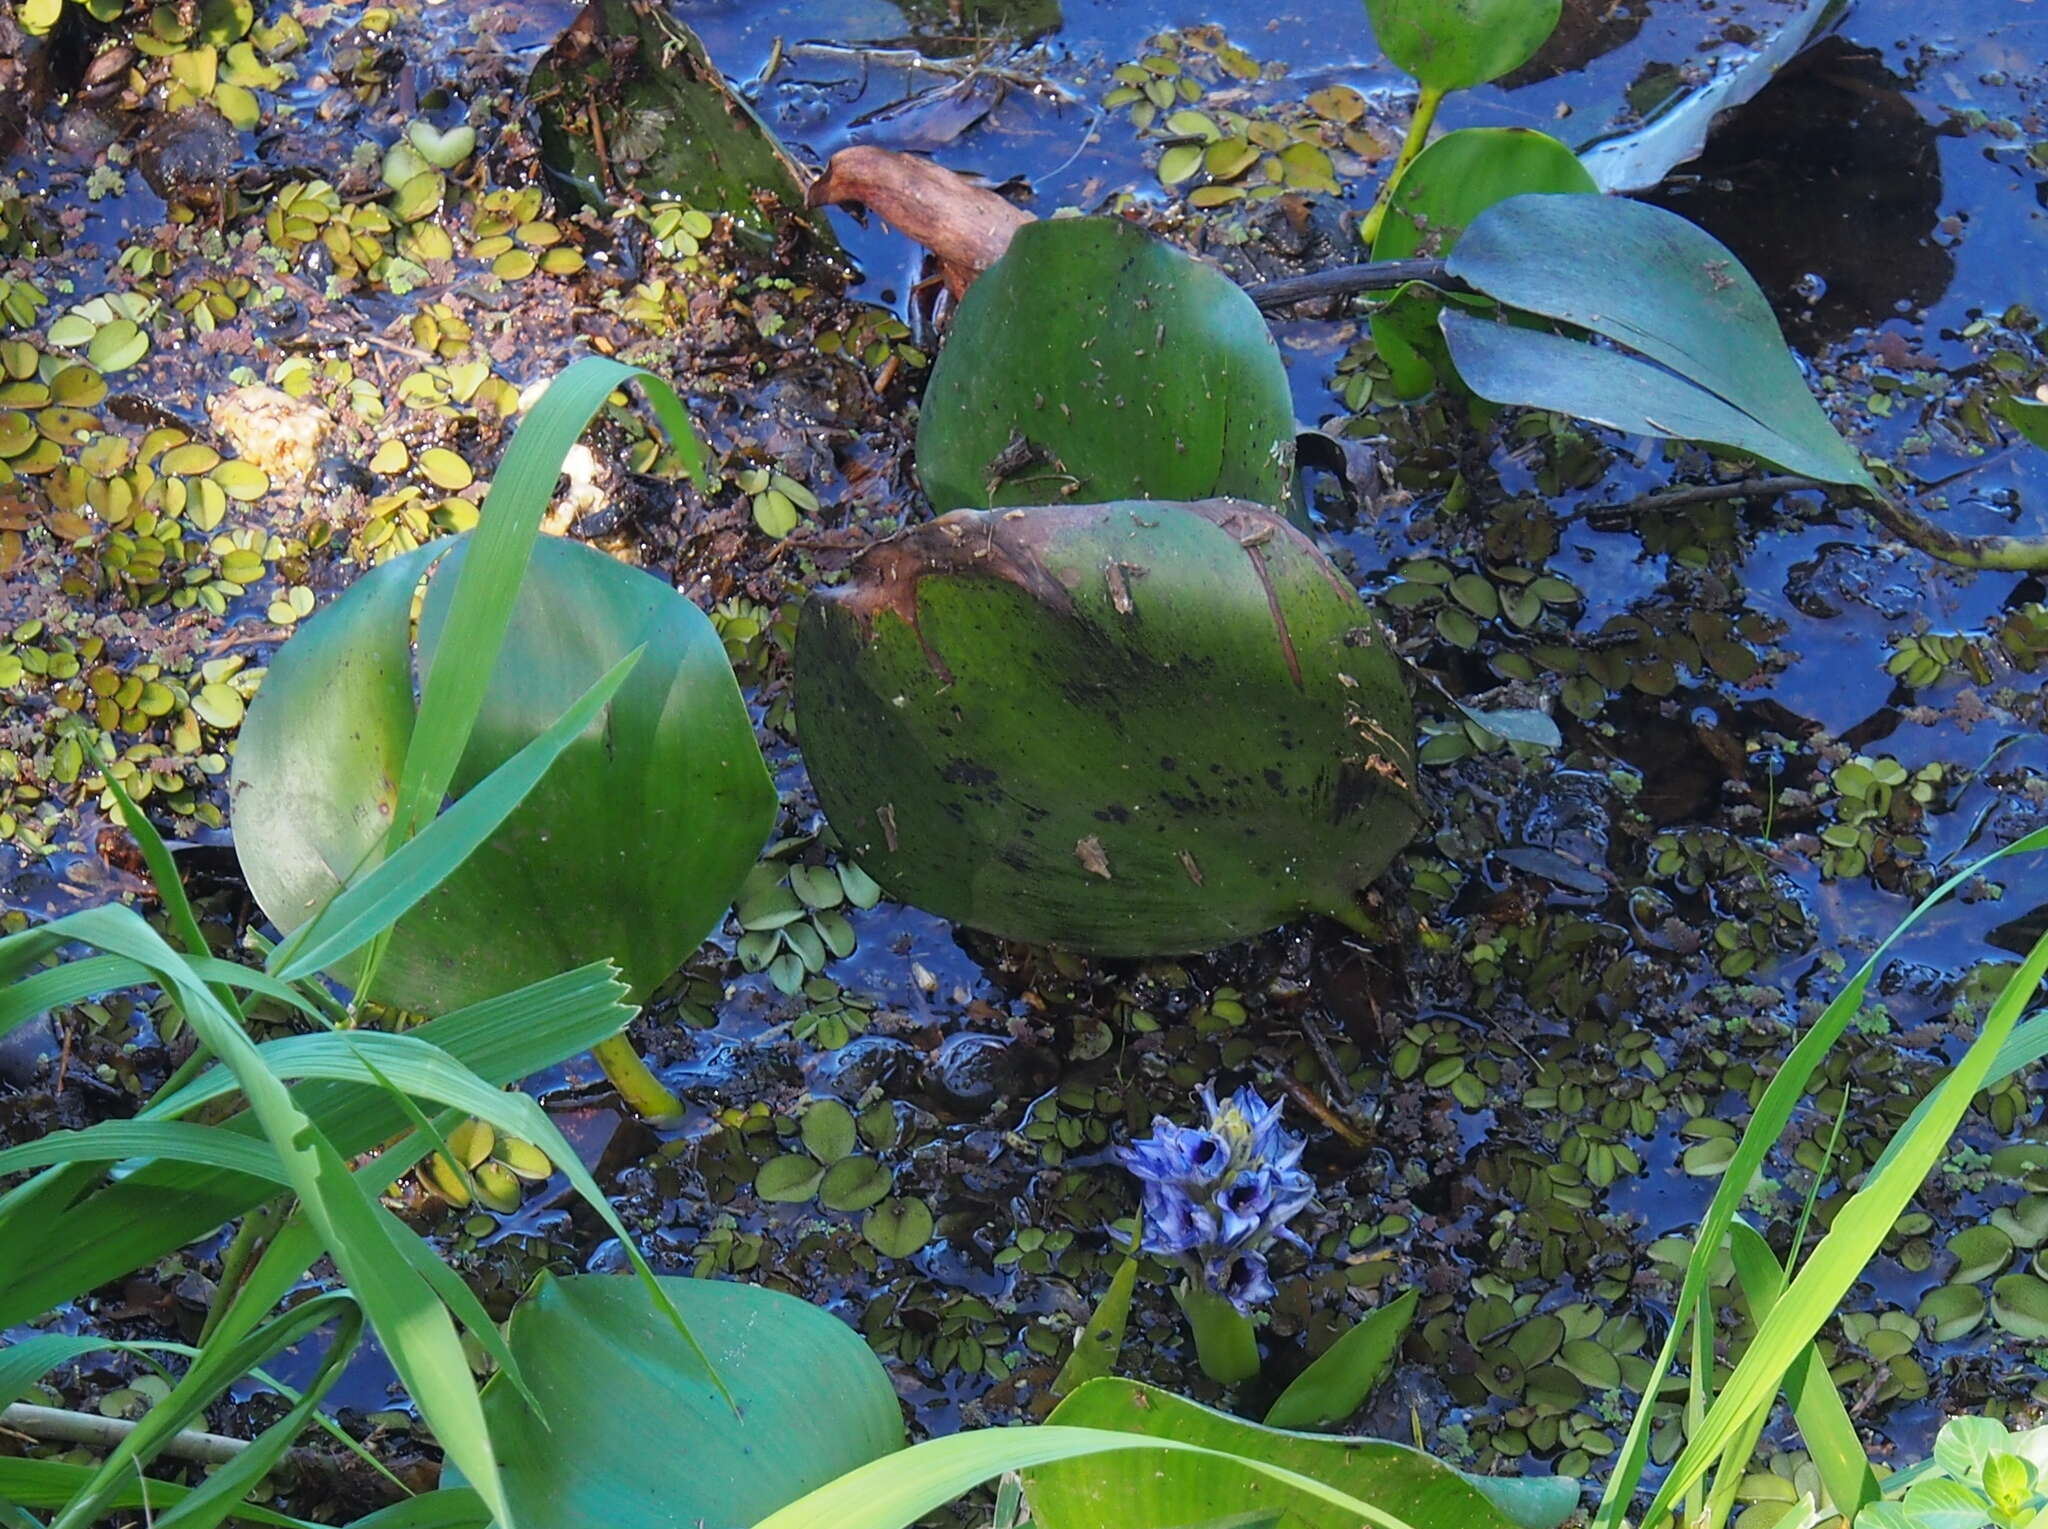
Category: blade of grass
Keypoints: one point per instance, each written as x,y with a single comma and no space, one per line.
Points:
52,1483
1859,1229
424,1071
416,1330
222,1493
488,586
52,1249
113,1141
361,911
1824,1423
216,1367
1768,1121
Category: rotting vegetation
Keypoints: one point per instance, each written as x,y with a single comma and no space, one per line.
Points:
1596,957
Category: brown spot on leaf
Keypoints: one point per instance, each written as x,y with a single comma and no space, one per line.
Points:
1093,860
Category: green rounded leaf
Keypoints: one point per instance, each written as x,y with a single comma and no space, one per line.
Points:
1095,362
1456,44
1139,1492
854,1183
1129,729
1949,1312
898,1228
828,1130
569,877
1446,186
789,1179
635,1433
2020,1303
1981,1251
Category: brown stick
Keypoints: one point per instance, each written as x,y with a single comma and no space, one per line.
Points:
1344,280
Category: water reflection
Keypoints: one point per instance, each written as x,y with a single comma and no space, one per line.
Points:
1829,187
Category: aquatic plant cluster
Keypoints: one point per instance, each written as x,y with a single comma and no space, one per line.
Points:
1218,1195
1115,699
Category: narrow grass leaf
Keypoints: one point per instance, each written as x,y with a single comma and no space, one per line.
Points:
453,690
366,908
51,1248
1767,1123
1859,1229
1817,1408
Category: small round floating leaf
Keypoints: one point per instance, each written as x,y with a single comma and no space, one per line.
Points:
788,1179
1095,362
497,1188
898,1228
854,1183
524,1158
242,480
1127,729
1950,1312
190,458
828,1130
637,1433
1456,44
219,705
1981,1251
1591,1363
2019,1302
445,469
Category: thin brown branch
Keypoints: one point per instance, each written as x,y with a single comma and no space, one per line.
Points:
1346,280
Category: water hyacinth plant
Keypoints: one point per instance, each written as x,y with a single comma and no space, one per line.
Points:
1216,1197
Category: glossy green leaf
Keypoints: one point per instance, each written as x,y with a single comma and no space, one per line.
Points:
1128,729
1098,1342
1133,1492
1707,360
1439,194
1343,1376
1456,44
631,108
634,1432
672,762
1095,362
898,1490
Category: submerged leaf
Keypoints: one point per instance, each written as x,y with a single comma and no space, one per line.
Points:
1641,157
1128,729
630,106
1095,362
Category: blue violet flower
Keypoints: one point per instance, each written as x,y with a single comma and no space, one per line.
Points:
1216,1197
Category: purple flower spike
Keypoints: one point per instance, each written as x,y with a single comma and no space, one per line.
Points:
1216,1197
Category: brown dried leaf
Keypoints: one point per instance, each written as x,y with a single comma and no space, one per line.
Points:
966,226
